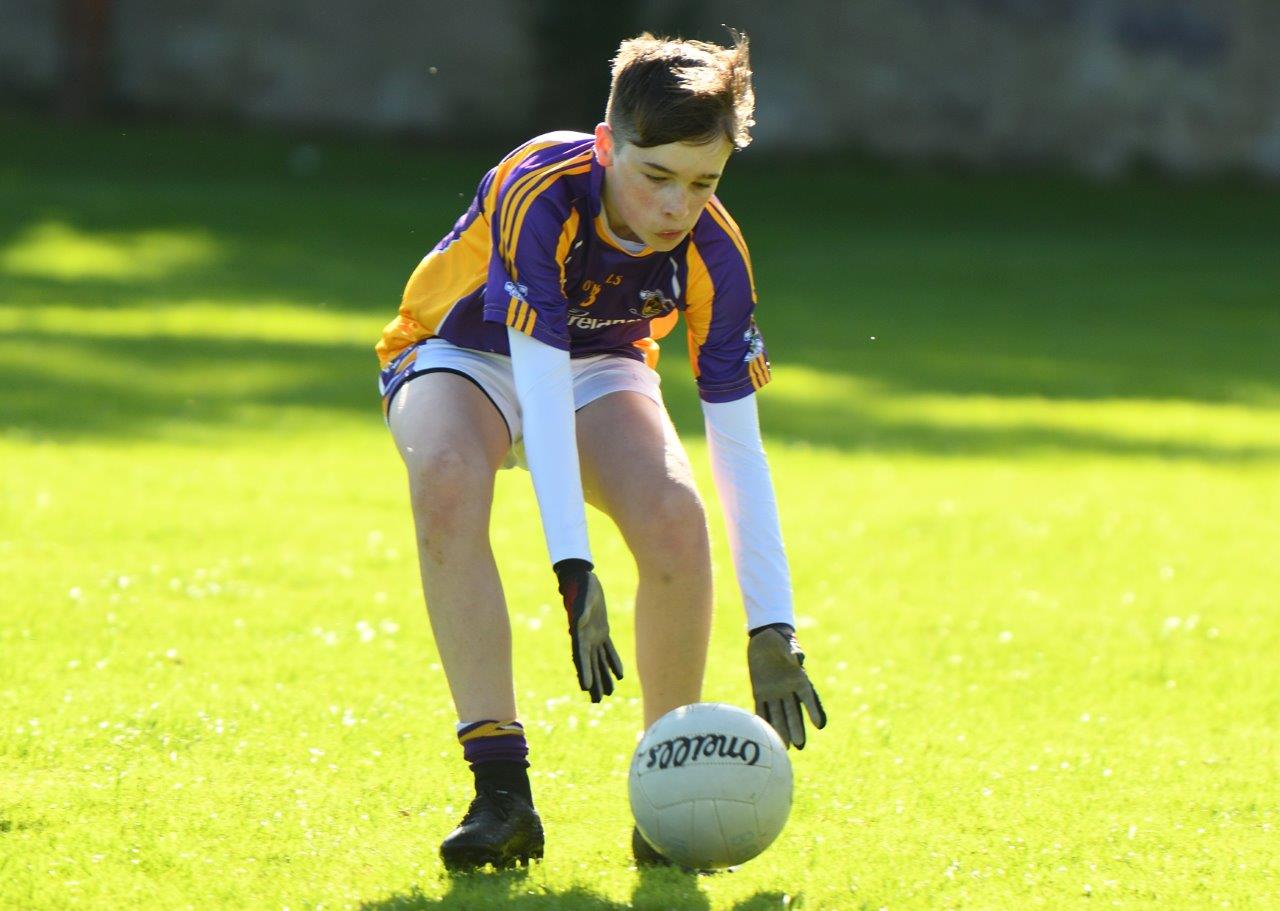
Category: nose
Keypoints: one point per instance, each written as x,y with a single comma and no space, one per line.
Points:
675,204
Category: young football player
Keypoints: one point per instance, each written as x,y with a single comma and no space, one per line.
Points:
528,336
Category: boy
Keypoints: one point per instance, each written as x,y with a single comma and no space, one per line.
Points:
527,336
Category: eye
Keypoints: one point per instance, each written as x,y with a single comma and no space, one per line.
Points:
655,178
702,186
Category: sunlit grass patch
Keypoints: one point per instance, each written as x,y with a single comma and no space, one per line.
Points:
57,250
876,411
179,317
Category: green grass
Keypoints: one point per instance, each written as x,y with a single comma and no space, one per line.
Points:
1026,438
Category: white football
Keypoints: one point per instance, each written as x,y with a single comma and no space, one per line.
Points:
710,785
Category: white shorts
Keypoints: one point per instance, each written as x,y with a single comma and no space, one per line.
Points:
593,377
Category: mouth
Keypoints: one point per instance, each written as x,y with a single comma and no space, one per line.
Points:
671,235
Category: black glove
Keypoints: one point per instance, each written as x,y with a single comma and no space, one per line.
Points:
593,653
780,684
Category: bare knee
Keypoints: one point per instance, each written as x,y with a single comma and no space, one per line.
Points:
670,531
451,494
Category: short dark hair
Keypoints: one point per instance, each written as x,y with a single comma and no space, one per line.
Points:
671,90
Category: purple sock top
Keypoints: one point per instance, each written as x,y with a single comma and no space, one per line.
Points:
490,741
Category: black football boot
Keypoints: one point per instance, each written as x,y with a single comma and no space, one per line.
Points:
501,828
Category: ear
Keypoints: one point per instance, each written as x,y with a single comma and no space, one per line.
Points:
604,145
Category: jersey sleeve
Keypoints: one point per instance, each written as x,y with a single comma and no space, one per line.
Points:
726,349
534,222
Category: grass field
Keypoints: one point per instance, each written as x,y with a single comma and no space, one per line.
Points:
1026,439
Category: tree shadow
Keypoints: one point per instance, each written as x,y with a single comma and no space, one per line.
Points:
659,888
656,889
125,388
908,283
500,889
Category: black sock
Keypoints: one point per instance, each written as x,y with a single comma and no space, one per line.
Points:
498,754
504,775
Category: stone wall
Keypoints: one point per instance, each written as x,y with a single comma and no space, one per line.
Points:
1190,85
1098,84
28,47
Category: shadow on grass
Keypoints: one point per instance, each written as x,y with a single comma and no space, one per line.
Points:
932,285
122,387
655,890
126,388
484,891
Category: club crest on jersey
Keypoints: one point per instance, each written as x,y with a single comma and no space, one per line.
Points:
516,290
755,343
655,303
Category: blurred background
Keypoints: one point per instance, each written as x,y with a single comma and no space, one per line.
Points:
1096,86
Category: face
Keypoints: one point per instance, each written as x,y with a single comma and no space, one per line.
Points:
655,195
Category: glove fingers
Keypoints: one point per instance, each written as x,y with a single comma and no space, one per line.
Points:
586,667
577,665
794,719
778,718
817,714
611,655
602,674
596,684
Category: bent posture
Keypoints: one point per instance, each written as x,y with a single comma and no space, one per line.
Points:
528,336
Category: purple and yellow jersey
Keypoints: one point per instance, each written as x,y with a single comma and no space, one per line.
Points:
532,252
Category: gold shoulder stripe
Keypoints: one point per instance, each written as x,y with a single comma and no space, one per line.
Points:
508,202
700,296
530,198
727,222
506,166
520,153
516,189
512,205
730,227
567,234
515,196
721,216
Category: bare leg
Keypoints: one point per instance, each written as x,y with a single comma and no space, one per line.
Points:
452,441
635,470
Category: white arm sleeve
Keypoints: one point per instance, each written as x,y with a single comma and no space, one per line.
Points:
544,386
742,480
